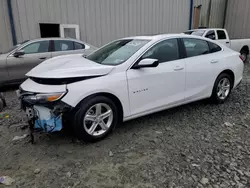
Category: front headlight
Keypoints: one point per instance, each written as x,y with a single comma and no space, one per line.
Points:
44,98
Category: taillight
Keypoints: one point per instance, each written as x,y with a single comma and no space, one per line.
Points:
242,57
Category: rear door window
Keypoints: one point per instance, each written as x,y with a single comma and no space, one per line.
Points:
63,45
196,47
221,34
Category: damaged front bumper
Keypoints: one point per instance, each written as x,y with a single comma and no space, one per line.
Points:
44,120
45,112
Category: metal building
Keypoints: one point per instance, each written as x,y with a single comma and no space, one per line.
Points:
100,21
212,12
5,32
238,18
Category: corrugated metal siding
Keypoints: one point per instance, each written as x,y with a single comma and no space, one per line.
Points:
5,34
101,21
237,19
216,13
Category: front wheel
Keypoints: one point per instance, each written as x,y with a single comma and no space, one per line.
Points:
95,119
222,88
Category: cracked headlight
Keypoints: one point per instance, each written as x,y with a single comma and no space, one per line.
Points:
44,98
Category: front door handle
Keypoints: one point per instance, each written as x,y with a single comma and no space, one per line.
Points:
43,58
178,68
214,61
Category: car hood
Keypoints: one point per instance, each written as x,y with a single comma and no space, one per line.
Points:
69,66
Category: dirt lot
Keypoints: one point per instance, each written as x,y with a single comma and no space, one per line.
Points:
196,145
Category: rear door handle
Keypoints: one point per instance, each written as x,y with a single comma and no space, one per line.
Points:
178,68
227,42
43,58
214,61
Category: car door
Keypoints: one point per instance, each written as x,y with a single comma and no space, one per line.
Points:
201,65
223,38
161,86
34,54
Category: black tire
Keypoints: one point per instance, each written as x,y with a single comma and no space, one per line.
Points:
2,102
245,55
214,98
81,111
1,105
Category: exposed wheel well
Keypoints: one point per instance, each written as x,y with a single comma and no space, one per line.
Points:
230,73
245,49
113,98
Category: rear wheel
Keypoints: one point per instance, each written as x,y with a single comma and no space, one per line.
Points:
222,88
95,119
1,105
2,102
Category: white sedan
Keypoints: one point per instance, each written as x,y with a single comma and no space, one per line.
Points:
126,79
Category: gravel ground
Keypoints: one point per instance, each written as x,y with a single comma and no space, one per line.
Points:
196,145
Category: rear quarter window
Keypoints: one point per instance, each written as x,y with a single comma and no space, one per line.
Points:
196,47
79,46
214,47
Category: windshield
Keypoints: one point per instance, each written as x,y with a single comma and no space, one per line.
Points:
195,32
117,52
14,47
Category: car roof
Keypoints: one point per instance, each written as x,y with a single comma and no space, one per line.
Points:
153,37
163,36
204,29
54,38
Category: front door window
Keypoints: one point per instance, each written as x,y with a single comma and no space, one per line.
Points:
37,47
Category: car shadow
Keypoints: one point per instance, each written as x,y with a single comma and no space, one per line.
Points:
7,88
166,113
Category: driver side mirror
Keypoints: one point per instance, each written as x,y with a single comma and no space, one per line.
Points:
19,53
146,63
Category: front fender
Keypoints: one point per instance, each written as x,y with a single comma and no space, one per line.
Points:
112,84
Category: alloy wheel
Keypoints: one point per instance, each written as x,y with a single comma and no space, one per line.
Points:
223,88
98,119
